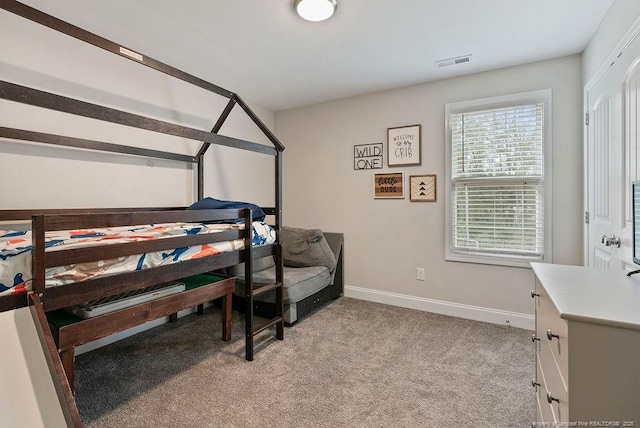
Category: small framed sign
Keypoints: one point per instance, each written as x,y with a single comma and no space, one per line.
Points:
403,145
423,188
367,156
388,186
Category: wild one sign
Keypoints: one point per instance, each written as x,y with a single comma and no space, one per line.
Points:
367,156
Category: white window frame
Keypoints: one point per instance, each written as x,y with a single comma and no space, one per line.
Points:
542,96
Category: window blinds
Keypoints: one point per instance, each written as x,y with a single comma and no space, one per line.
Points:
497,178
504,142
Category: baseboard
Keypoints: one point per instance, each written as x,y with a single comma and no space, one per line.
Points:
477,313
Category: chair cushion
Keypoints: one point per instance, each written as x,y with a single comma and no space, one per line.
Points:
299,283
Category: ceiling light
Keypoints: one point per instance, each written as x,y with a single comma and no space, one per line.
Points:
315,10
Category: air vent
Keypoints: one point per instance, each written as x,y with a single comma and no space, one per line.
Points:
453,61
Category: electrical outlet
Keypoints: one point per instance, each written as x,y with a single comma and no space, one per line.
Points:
420,274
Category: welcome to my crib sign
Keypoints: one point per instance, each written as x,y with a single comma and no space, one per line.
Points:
403,144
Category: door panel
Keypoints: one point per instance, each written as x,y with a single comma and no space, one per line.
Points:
602,187
612,159
601,141
601,259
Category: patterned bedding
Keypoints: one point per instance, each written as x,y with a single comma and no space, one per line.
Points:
15,251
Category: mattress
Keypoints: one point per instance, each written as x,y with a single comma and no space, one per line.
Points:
16,251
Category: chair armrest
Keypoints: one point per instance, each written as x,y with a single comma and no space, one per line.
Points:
336,243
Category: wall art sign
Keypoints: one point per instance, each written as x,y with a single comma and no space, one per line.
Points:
367,156
403,145
388,186
423,188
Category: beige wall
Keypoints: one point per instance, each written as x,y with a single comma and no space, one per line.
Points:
49,177
387,239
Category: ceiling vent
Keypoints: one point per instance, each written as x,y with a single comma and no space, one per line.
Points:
453,61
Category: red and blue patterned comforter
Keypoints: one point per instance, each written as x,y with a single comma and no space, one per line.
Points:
15,251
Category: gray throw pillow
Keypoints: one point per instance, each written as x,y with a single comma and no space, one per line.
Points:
306,247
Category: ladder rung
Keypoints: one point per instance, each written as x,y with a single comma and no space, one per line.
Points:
272,322
264,289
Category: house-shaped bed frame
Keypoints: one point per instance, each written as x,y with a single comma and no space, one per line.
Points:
44,300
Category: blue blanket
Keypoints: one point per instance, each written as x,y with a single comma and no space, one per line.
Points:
217,204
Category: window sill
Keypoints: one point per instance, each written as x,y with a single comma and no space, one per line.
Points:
507,261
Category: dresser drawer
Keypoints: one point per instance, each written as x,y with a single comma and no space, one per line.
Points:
539,418
553,384
545,411
548,321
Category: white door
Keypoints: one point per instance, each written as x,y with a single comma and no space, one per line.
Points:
612,161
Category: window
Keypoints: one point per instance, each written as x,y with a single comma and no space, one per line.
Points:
498,191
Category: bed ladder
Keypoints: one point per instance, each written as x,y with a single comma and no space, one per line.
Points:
251,330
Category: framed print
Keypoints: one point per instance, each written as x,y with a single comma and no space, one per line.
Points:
423,188
403,145
388,186
367,156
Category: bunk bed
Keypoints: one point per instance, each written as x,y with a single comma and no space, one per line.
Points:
45,296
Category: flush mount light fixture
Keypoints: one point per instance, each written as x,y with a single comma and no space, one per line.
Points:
315,10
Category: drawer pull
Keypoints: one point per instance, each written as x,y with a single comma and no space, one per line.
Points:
551,398
534,338
534,383
534,294
551,335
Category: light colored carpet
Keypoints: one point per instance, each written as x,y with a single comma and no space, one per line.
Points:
351,364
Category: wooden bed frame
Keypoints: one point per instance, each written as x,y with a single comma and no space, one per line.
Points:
54,298
47,299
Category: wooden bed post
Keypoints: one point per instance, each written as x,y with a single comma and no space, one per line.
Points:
248,286
200,179
38,255
278,256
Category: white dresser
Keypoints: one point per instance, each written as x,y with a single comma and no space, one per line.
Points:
587,346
